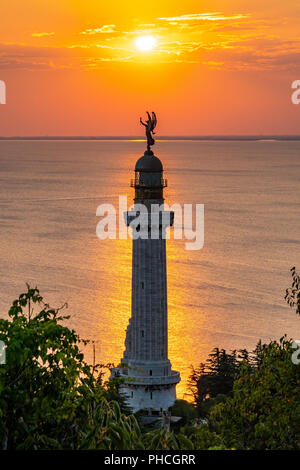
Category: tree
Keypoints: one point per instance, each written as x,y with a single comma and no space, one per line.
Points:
222,369
185,410
203,438
213,379
50,398
264,412
198,385
48,393
161,439
292,295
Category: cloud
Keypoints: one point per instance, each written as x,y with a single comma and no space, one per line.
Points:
42,35
105,29
178,47
95,45
22,56
252,54
215,16
231,42
93,63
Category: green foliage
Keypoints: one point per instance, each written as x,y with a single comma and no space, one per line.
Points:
292,295
212,382
264,412
115,431
185,410
164,440
210,403
50,398
213,379
203,438
48,394
113,393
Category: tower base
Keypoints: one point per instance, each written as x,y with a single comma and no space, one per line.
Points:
154,400
153,394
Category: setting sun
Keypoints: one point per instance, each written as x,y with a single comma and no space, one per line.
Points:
145,43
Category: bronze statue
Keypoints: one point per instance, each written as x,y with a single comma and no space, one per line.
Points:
150,125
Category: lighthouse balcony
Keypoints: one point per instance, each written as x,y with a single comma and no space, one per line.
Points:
136,183
170,379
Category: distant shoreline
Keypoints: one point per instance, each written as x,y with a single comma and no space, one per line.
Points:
162,138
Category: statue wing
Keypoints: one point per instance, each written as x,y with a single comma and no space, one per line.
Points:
154,120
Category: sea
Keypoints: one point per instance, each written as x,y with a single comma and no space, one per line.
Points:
229,294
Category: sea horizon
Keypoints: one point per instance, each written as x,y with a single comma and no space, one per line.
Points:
217,137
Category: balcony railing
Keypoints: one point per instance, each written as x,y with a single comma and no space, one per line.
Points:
173,378
135,183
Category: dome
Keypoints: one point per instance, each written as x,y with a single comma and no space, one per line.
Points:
148,162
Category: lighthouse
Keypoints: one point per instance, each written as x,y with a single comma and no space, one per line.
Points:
149,382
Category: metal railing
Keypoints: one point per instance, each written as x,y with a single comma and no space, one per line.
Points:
135,183
173,378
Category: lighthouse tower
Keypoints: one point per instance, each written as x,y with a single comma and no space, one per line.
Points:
149,381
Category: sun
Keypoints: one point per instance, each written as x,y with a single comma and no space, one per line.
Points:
145,43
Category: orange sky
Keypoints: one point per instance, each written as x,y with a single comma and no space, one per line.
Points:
72,67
